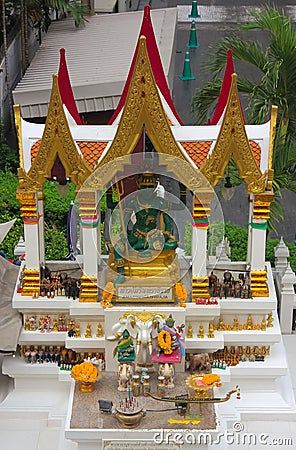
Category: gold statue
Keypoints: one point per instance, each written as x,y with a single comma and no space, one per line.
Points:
211,331
77,331
201,332
190,332
221,324
270,320
40,323
235,324
88,333
249,322
71,325
263,324
55,325
100,333
27,324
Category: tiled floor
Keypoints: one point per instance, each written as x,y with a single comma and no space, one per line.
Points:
41,434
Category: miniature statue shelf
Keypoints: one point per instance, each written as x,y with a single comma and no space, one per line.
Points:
146,225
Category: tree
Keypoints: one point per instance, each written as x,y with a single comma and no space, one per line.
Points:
275,85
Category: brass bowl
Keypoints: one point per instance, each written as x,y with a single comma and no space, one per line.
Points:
86,387
129,420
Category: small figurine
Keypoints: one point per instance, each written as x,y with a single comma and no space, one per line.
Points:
221,324
77,331
235,324
55,324
190,332
249,322
211,331
201,332
270,320
88,333
100,333
27,324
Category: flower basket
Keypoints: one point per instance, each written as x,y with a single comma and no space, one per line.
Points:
86,374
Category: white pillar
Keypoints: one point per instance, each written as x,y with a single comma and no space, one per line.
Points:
251,202
258,244
287,300
199,251
40,213
32,244
90,250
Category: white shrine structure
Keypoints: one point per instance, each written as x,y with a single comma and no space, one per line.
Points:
244,328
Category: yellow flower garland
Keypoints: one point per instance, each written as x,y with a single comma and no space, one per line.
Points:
165,342
85,371
211,378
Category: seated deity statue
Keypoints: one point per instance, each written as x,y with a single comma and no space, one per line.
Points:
147,226
125,348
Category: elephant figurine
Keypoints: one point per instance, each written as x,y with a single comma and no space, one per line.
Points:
125,373
168,372
200,362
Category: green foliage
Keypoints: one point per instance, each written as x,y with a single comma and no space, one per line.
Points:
8,156
8,202
56,208
55,244
12,238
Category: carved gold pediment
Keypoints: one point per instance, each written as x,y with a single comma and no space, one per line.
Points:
56,140
233,141
143,110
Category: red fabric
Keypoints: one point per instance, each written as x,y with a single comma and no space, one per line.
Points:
66,89
156,64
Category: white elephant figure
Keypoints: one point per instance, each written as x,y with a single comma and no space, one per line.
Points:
143,326
125,373
167,370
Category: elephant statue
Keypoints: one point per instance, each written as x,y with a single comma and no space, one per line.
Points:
168,372
143,327
125,373
200,362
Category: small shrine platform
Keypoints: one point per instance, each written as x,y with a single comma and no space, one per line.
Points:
84,410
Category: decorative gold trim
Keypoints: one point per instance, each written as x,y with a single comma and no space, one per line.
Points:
28,204
143,316
89,289
200,288
274,111
31,282
259,284
233,140
18,127
56,140
143,108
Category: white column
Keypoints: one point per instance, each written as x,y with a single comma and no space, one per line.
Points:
40,213
32,244
287,300
257,253
251,202
199,251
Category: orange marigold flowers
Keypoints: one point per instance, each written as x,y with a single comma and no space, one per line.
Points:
181,292
86,372
211,378
165,342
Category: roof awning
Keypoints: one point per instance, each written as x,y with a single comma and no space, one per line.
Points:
98,59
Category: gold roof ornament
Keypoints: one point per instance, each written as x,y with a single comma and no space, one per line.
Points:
56,141
233,141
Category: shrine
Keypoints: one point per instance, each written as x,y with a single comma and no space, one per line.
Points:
151,322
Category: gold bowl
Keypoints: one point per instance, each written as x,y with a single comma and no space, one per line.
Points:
129,420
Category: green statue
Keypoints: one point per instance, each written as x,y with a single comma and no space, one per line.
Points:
125,348
152,226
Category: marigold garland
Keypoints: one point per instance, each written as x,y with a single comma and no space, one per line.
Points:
211,378
181,292
107,294
85,371
165,342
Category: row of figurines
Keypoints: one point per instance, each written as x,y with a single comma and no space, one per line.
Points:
229,286
39,354
137,384
44,323
228,356
267,322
